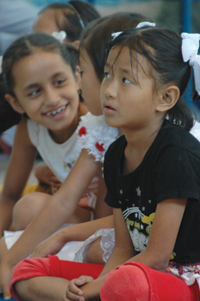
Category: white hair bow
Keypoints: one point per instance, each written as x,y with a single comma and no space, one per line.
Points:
60,36
145,24
190,46
116,34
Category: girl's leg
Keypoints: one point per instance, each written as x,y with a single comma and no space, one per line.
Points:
31,204
145,284
37,279
26,209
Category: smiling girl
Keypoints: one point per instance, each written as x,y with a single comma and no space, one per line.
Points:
43,83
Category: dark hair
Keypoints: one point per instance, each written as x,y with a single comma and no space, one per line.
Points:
162,49
77,15
26,46
8,115
97,35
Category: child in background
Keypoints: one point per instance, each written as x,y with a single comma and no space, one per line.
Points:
96,57
70,18
152,177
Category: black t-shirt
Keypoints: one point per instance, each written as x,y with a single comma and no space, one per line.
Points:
170,169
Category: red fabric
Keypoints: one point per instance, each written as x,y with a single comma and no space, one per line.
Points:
51,266
135,281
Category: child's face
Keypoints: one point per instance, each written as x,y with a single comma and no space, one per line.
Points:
126,103
46,89
90,84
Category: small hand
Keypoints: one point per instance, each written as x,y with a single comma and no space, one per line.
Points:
73,291
49,246
45,175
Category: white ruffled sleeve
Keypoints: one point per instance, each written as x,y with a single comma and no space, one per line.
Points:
95,135
195,131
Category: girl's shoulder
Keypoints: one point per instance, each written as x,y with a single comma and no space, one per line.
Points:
95,135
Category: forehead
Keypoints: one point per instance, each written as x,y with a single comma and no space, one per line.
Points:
40,62
126,59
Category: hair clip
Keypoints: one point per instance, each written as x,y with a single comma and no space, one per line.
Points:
116,34
60,36
189,48
144,24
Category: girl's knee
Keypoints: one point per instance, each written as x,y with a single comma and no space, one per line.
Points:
26,209
126,283
95,253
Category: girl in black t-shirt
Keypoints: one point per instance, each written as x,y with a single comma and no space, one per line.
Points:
152,172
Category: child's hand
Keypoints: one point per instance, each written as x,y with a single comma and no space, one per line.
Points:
49,246
73,291
45,175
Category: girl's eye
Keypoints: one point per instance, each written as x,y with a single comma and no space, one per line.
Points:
60,82
34,93
126,81
106,75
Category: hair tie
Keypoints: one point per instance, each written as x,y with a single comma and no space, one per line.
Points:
145,24
116,34
60,36
189,48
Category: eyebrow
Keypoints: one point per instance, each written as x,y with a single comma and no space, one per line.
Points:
34,85
126,71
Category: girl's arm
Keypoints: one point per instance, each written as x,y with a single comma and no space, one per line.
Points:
53,215
102,209
76,232
160,246
21,162
166,224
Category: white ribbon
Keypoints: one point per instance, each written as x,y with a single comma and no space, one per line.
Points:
116,34
189,48
60,36
145,24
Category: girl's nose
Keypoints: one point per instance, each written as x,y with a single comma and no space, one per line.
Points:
111,90
52,97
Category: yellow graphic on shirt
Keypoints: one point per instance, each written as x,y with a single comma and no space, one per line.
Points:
148,220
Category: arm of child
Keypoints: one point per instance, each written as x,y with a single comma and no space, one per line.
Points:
20,165
166,224
53,215
123,250
76,232
101,208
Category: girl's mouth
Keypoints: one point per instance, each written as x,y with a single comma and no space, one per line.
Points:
56,112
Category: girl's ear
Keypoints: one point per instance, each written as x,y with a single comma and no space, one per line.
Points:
14,103
78,77
168,98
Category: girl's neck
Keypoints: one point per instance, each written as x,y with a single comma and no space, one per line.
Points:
63,135
138,143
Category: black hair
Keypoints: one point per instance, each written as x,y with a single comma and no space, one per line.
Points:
97,35
8,115
26,46
162,49
77,15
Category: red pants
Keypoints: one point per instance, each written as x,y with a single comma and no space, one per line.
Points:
135,281
51,266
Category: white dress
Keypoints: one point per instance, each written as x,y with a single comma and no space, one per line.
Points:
95,136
